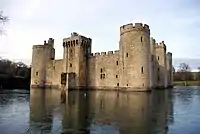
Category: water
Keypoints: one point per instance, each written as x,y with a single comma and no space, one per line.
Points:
174,111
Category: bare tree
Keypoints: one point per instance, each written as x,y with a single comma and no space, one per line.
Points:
3,21
184,69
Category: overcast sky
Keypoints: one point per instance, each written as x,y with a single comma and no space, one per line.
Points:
177,22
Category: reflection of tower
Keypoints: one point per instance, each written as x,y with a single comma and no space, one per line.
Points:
40,111
75,114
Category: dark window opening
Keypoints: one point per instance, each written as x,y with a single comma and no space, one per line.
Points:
126,54
141,39
101,76
142,70
117,84
158,69
117,62
126,84
73,42
101,70
70,65
54,67
104,76
36,73
158,57
76,41
116,76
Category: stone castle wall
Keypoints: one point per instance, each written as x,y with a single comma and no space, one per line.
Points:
139,64
104,70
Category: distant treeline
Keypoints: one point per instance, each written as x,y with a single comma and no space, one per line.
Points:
184,73
14,74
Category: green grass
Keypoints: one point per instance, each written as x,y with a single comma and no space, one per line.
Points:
188,82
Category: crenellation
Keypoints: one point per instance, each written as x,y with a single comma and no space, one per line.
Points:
129,68
97,54
136,27
110,52
103,53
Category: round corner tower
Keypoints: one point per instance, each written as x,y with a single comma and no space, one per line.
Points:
40,55
135,56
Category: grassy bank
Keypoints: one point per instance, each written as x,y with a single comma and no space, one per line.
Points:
186,83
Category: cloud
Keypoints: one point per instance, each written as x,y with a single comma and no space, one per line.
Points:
33,21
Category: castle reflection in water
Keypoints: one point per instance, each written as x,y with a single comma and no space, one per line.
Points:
100,111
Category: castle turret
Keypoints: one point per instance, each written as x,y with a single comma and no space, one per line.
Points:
135,56
161,69
40,55
76,51
169,70
153,62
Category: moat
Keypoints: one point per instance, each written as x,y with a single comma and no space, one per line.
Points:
98,112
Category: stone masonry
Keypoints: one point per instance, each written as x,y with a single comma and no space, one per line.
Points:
140,64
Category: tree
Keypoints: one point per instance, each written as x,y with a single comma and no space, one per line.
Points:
3,20
198,74
184,69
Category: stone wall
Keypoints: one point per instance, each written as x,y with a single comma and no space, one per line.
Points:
104,70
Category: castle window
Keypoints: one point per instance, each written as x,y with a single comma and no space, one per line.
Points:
36,73
126,54
73,42
127,85
101,70
142,70
68,43
104,76
118,84
116,76
101,76
63,43
70,65
117,62
141,39
158,69
158,57
76,41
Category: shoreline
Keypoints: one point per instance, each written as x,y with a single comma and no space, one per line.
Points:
186,83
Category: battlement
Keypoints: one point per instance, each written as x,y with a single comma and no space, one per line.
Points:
109,53
161,45
152,40
169,54
38,46
136,27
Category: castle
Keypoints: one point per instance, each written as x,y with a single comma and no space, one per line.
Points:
140,64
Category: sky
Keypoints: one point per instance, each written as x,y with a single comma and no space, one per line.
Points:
177,22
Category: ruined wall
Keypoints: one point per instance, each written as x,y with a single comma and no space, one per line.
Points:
135,56
104,70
